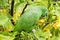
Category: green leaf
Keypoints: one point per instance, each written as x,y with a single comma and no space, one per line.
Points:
3,3
5,21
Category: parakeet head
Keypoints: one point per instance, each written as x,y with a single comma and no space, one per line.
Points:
39,8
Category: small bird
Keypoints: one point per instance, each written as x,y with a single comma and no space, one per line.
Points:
30,17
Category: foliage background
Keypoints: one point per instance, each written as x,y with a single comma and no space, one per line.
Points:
48,27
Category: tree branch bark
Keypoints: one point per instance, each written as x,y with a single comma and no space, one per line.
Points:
12,7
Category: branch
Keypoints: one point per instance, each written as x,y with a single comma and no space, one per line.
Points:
12,6
24,8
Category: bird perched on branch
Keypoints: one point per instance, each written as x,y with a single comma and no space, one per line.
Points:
30,17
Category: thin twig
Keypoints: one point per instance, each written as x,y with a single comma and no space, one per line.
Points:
12,6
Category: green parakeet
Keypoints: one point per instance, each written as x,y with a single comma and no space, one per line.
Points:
30,18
